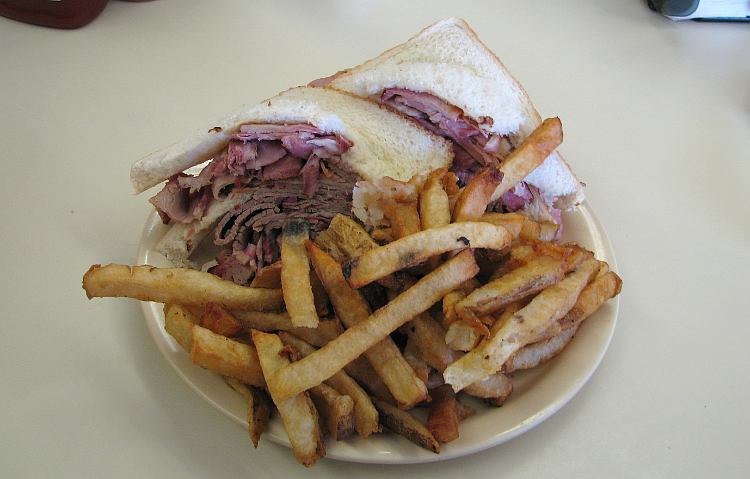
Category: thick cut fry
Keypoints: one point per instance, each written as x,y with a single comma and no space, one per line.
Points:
268,277
449,307
327,243
443,418
434,205
522,282
326,330
258,408
176,285
320,298
178,322
406,425
509,334
428,337
295,275
365,414
220,321
352,309
402,217
361,370
350,237
298,413
464,411
421,369
473,200
513,222
226,357
529,154
462,336
532,355
493,389
594,295
337,410
326,361
414,249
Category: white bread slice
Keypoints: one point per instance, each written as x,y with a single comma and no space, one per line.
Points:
384,143
448,60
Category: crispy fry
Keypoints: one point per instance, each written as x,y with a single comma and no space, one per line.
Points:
268,277
434,205
258,408
403,218
349,236
443,418
421,369
592,297
361,370
295,275
298,414
365,414
414,249
324,363
530,154
320,297
534,354
176,285
513,222
464,411
512,332
326,330
220,321
428,337
406,425
226,357
473,200
178,322
529,279
351,308
531,230
462,336
327,243
337,410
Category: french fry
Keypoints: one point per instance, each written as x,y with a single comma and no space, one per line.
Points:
494,390
421,369
529,154
513,222
428,337
226,356
464,411
320,297
443,418
413,249
178,322
349,237
604,287
529,279
462,336
326,330
258,408
365,414
297,412
325,241
403,218
325,362
434,205
385,357
220,321
473,200
406,425
534,354
361,370
176,285
295,275
268,277
337,410
512,332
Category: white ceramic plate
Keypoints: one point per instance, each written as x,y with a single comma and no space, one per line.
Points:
538,393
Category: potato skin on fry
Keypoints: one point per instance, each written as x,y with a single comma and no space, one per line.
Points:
295,275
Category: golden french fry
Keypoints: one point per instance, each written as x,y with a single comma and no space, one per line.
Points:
513,331
361,370
295,275
473,200
464,411
337,410
413,249
220,321
325,362
365,414
178,322
529,154
258,408
443,418
226,356
326,330
176,285
327,243
350,237
320,297
428,337
434,205
534,354
462,336
297,412
530,230
268,277
406,425
403,218
513,222
493,390
351,308
604,287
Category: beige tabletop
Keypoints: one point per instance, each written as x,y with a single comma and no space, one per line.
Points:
657,124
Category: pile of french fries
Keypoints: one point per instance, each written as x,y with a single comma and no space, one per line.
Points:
347,334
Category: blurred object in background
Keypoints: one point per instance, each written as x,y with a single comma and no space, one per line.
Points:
53,13
703,10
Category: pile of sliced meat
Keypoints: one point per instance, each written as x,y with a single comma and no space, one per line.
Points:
291,171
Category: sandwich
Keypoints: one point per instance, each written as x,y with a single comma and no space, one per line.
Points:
448,81
294,156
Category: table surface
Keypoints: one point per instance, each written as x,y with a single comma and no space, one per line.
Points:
657,124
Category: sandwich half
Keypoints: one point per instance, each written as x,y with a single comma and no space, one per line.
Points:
293,156
448,81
